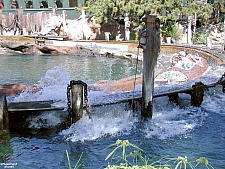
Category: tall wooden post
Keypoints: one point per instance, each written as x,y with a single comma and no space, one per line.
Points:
84,24
1,21
64,21
127,26
4,120
224,34
53,12
77,100
189,34
151,52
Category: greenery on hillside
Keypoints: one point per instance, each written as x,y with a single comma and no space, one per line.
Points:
109,10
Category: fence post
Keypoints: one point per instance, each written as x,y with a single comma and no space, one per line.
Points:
4,119
64,22
29,29
209,42
21,20
151,52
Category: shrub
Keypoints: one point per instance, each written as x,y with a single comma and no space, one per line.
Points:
171,30
200,37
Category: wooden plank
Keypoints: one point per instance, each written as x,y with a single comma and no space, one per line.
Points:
104,100
32,106
14,110
129,96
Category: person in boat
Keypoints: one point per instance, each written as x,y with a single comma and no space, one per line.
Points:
181,62
185,61
1,5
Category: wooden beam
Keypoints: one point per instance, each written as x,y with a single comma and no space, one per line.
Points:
151,52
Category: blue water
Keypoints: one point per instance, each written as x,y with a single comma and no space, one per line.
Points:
173,131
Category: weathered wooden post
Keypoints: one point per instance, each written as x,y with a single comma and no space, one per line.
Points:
127,27
209,42
197,94
1,21
53,12
189,33
4,119
29,29
77,101
84,25
224,33
151,52
75,107
64,21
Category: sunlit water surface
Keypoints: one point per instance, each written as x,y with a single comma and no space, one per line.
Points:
173,131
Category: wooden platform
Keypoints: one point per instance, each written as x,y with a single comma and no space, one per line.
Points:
98,101
32,106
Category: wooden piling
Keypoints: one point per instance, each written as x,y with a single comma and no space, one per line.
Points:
4,120
197,94
77,101
151,52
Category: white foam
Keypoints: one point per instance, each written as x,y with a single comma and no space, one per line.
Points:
53,84
166,124
115,122
45,120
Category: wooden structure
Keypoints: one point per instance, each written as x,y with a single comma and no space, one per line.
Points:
76,95
34,6
31,15
151,52
75,105
4,120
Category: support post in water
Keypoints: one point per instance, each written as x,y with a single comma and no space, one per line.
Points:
197,94
77,101
4,119
150,54
76,90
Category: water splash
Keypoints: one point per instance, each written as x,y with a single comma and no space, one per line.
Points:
107,121
53,86
177,122
45,120
168,120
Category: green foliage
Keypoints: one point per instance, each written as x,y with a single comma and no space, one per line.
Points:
112,37
141,162
205,13
218,7
5,149
202,161
134,36
171,30
200,38
108,10
171,163
78,164
134,152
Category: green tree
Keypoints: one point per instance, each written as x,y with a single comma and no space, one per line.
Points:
205,13
109,10
218,7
